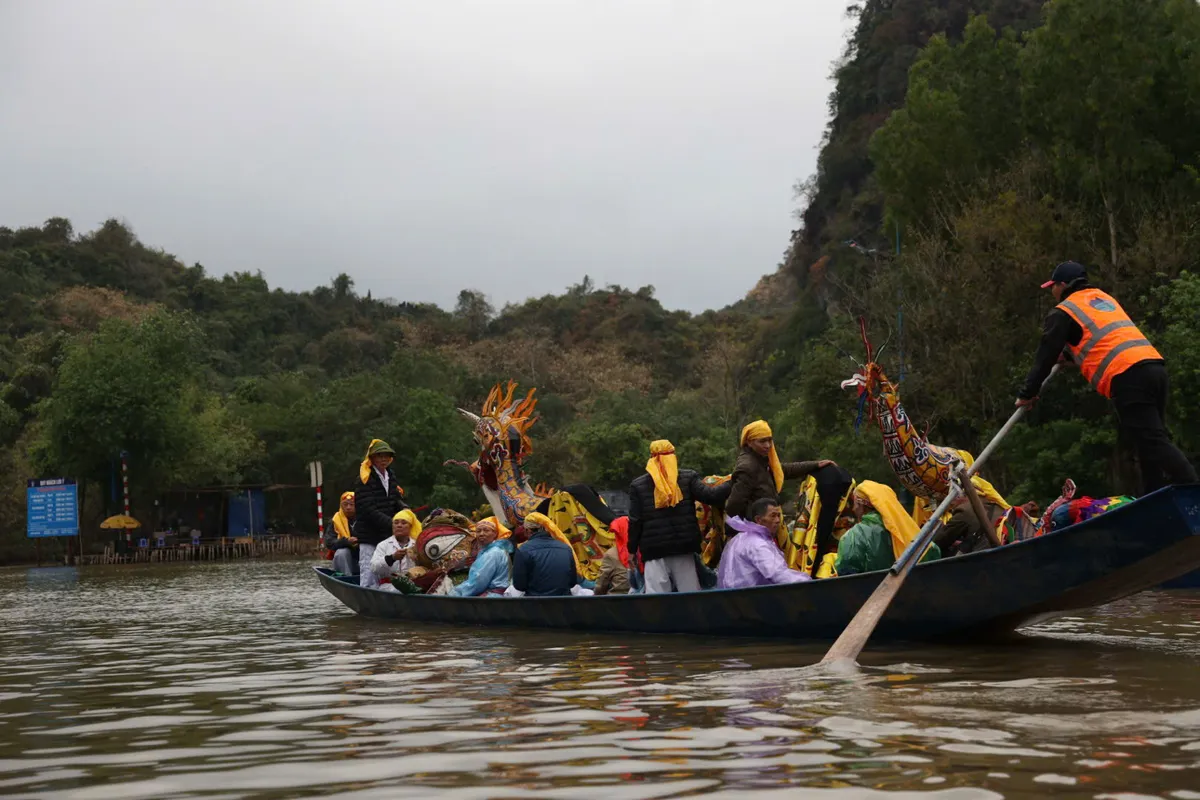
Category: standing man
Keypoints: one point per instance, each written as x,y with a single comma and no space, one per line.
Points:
662,520
758,472
1119,362
376,501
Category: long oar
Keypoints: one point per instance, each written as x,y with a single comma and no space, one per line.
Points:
855,637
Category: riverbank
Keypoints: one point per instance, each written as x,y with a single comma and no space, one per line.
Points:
210,551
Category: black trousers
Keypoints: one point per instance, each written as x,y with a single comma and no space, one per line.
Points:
1140,397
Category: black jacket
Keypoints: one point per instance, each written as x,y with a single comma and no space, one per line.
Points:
662,532
332,542
374,508
543,566
1058,331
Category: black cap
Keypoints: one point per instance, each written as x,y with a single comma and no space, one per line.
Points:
1067,272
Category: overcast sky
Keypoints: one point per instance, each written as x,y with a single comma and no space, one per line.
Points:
425,146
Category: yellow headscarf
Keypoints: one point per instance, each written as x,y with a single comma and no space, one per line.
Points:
898,523
407,514
761,430
664,471
984,489
376,445
341,523
542,521
502,532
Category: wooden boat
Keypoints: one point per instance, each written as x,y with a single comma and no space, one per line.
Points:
1129,549
1188,581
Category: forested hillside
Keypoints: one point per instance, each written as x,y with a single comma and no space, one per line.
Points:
110,345
987,140
1025,136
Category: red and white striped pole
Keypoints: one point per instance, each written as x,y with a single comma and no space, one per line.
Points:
314,474
320,517
125,481
125,489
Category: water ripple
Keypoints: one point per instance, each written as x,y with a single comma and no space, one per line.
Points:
247,680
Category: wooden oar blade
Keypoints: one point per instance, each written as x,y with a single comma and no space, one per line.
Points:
854,637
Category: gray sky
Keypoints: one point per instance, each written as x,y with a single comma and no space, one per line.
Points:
510,146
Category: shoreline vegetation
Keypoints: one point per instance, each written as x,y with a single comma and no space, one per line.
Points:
986,140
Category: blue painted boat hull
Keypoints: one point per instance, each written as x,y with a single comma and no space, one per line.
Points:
1135,547
1188,581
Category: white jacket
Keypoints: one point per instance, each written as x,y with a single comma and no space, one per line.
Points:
389,547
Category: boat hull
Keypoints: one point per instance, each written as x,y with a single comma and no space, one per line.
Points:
1132,548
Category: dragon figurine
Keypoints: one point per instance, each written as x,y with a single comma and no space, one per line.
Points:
925,470
502,435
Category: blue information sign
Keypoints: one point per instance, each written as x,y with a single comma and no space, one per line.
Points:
52,507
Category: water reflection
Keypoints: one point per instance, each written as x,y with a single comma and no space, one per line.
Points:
247,680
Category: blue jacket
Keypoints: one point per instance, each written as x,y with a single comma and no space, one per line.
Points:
543,566
490,570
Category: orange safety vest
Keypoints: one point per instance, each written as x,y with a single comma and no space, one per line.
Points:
1110,344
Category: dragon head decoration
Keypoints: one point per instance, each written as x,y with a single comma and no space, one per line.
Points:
924,469
502,435
874,388
502,429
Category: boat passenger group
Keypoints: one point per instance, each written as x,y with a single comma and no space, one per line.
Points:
657,547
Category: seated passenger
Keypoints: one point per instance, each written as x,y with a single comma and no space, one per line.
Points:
340,540
489,574
614,567
883,532
963,532
752,558
545,564
392,556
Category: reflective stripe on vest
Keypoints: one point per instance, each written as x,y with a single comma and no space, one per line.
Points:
1111,342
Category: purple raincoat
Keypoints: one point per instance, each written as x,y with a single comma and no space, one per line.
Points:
753,559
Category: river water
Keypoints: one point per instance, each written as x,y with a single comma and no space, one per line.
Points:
248,680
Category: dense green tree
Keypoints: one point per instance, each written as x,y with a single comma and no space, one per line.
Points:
133,387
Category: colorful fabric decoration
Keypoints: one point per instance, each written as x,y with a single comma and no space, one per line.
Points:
445,542
589,537
800,547
712,525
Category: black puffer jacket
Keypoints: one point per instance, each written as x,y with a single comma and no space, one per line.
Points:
662,532
374,508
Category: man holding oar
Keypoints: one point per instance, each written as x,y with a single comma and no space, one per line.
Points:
1091,328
